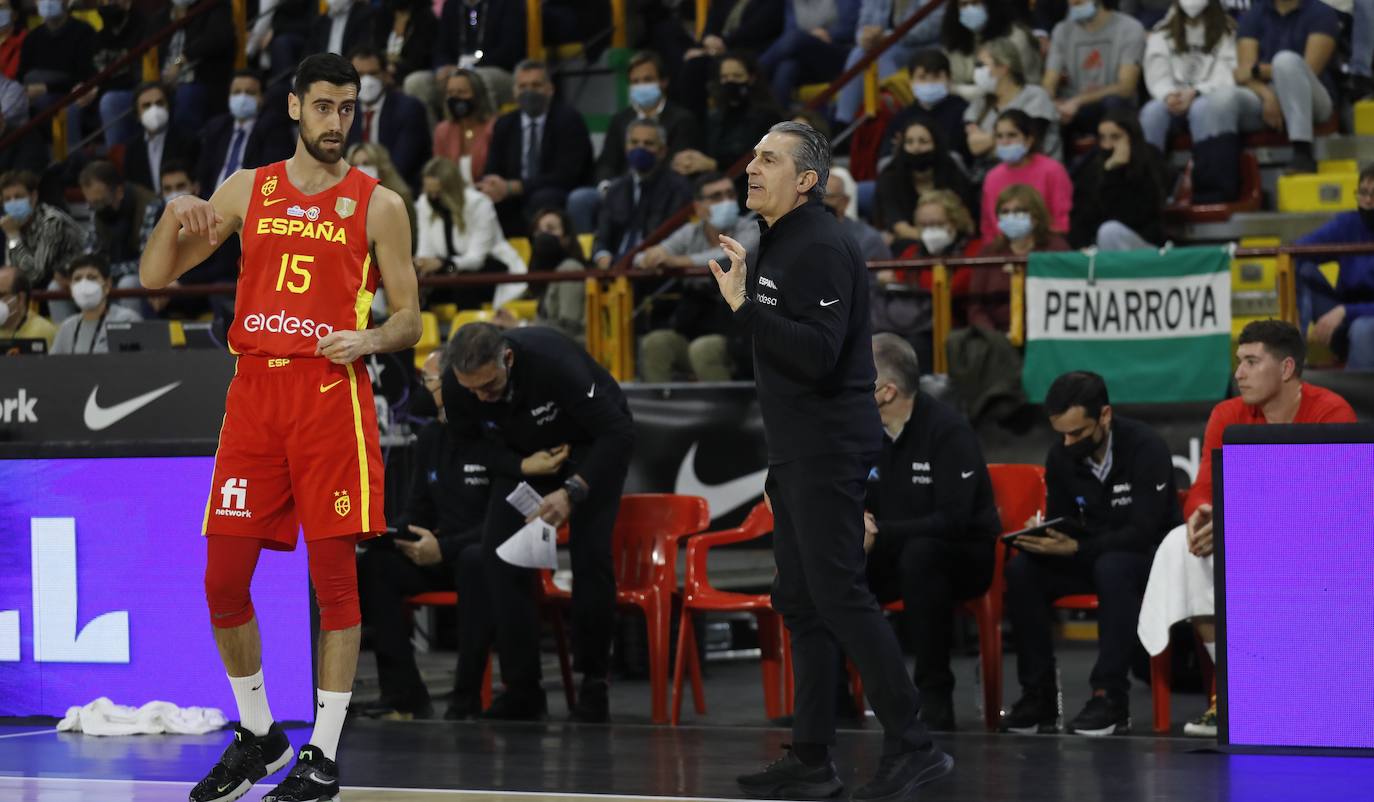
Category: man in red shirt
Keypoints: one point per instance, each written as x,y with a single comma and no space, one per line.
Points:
1271,354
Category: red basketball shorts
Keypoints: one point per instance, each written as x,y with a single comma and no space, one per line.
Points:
298,451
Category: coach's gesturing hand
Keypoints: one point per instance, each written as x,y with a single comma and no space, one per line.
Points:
732,284
196,216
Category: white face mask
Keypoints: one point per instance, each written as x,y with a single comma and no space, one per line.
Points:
4,312
936,239
154,118
369,170
1192,8
87,293
370,89
984,79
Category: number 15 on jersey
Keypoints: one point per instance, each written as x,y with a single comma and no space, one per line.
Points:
300,277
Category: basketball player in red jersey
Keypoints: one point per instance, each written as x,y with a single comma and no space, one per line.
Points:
299,444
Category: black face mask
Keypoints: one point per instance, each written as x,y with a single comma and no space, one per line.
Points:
109,213
114,16
734,93
546,249
459,107
1082,449
1367,217
435,201
921,162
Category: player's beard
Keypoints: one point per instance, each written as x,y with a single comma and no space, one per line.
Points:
316,147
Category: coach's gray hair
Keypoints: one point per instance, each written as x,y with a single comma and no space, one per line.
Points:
474,346
647,123
896,362
812,152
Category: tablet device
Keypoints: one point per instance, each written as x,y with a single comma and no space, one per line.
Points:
1039,530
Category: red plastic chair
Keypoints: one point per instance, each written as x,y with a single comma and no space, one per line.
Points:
699,596
648,529
448,598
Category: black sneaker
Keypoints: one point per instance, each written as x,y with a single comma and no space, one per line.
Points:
937,711
901,773
789,778
1302,163
246,760
1037,711
1102,715
593,703
314,779
463,708
529,705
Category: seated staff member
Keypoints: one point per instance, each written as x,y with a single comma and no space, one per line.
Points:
931,523
1271,355
1113,478
445,511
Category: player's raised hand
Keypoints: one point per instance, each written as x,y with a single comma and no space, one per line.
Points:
732,284
197,217
344,347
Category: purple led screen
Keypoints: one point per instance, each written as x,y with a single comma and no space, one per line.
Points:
1299,561
102,591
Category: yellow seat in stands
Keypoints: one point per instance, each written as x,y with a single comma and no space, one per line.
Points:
468,316
586,241
522,309
429,337
1317,192
445,312
1364,118
522,247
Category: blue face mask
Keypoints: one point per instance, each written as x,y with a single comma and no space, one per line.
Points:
6,17
973,17
243,106
724,215
642,160
1014,152
929,93
50,9
1082,13
1014,225
20,209
645,96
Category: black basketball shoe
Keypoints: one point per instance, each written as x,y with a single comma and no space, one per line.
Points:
314,779
246,760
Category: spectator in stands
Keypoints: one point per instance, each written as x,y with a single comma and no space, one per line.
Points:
13,30
176,180
482,35
930,523
246,137
871,243
404,33
1119,190
1094,65
943,227
40,239
437,548
55,57
123,27
817,36
700,342
1112,480
1360,81
1342,317
1285,75
644,197
970,24
742,113
345,27
1021,164
459,233
392,119
1023,226
281,31
731,26
539,153
554,246
463,135
920,165
158,140
1188,56
119,209
18,321
1005,86
372,158
877,19
85,333
1271,355
29,150
197,61
934,104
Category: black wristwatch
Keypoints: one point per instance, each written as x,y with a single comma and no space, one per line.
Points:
577,492
1255,71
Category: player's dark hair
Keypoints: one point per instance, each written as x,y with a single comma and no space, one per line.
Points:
1280,338
327,67
474,346
1079,388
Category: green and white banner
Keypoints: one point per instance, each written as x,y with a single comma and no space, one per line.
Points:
1156,326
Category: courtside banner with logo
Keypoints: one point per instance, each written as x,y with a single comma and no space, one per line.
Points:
1156,326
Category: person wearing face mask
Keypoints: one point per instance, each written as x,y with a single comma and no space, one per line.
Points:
743,111
970,24
197,61
1188,55
921,164
933,103
1119,191
158,139
18,321
175,181
392,119
118,209
1003,86
404,33
1342,317
1112,480
244,137
40,239
699,342
84,333
639,201
1093,65
539,152
123,26
731,25
877,19
816,38
54,58
554,246
1023,226
464,134
1020,164
345,26
13,31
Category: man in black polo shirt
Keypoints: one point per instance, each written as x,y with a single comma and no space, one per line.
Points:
932,520
804,303
532,405
1112,478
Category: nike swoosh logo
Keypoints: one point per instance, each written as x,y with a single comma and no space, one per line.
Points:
272,201
1160,486
322,780
828,303
965,474
592,391
223,788
724,497
324,388
98,417
256,689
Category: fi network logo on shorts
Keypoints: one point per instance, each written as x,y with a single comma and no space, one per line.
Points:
233,499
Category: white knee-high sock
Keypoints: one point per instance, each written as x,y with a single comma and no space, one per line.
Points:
329,720
251,695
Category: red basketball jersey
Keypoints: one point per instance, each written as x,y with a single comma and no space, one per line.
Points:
306,269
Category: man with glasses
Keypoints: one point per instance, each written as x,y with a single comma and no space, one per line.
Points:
435,547
700,341
1342,317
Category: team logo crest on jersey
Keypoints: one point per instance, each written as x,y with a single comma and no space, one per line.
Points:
342,503
269,186
345,207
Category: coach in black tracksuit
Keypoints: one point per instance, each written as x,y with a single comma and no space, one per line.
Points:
1112,478
932,519
534,406
803,301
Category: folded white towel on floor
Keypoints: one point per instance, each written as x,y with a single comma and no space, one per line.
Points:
104,717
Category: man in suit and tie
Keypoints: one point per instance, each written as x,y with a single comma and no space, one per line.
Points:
244,137
395,120
158,140
538,154
639,201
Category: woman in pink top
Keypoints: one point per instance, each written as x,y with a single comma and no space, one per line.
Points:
1017,138
465,132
